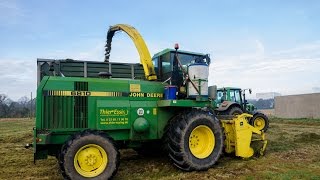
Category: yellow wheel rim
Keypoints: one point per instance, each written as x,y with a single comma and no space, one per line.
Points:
201,141
90,160
259,123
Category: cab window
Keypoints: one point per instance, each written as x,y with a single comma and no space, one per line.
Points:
220,96
237,95
155,62
234,95
166,66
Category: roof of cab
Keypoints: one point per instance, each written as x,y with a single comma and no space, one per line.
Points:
173,50
236,88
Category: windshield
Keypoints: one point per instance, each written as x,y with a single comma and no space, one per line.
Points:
185,58
234,95
164,63
219,96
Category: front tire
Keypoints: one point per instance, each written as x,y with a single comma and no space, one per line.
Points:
89,154
260,121
195,140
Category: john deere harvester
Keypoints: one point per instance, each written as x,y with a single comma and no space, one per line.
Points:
87,111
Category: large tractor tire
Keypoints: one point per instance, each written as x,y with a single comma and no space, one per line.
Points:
195,140
260,121
89,154
234,111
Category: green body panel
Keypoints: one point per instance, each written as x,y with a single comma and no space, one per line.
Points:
72,98
112,114
69,105
141,125
183,103
146,110
251,108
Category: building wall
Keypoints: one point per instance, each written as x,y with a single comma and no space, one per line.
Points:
267,112
298,106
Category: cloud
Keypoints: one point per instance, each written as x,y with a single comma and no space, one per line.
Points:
90,49
18,77
286,71
316,89
308,50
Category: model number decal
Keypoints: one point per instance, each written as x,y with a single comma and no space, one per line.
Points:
102,94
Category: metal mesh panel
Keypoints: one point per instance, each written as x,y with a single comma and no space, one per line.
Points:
81,106
66,111
57,112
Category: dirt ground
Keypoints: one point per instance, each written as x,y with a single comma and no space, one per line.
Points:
293,152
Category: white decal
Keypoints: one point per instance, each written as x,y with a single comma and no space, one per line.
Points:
140,112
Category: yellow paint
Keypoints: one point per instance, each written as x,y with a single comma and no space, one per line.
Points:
79,93
154,111
145,57
201,141
150,95
135,88
103,94
90,160
239,136
84,93
136,95
104,120
259,123
114,112
157,95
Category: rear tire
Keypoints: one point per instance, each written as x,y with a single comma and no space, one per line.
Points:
195,140
89,154
260,121
234,111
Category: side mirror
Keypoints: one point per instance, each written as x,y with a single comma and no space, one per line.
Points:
250,91
212,92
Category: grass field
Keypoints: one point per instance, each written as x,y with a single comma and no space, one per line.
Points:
293,152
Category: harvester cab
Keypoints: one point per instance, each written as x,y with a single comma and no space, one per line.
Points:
187,71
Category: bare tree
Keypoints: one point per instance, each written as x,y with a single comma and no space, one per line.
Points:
21,108
5,103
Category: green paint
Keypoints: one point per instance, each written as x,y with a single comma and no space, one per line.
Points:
141,125
130,111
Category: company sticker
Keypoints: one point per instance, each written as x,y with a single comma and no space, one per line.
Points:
140,112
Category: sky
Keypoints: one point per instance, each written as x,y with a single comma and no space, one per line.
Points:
269,46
